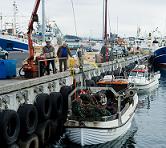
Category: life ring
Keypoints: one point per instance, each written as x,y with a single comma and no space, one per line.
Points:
130,93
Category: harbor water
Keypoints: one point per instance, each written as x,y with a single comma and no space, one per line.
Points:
148,128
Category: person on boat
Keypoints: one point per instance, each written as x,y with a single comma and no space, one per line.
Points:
80,53
63,53
81,49
104,53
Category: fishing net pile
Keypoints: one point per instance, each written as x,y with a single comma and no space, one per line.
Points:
90,107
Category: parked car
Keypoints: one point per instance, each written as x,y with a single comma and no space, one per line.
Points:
3,54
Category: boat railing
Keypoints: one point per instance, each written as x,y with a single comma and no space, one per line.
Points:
109,118
119,77
93,89
101,119
125,108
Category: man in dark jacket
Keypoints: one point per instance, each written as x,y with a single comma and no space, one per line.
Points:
104,53
63,53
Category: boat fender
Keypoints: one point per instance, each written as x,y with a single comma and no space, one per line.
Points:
28,118
10,126
81,124
13,146
44,133
65,91
132,85
44,106
95,79
60,130
54,129
131,93
30,142
102,74
90,83
57,104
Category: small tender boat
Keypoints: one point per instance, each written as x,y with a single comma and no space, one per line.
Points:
143,78
100,114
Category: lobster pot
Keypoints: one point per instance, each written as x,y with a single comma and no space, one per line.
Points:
7,69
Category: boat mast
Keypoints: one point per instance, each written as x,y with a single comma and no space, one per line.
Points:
43,20
14,17
105,23
1,21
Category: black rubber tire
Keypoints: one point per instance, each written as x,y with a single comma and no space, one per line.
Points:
13,146
28,118
90,83
44,133
109,72
60,129
30,142
95,79
44,106
102,74
9,126
65,91
54,129
57,105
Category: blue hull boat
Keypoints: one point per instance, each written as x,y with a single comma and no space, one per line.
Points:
160,58
11,43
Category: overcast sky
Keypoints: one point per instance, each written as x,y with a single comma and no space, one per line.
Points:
148,14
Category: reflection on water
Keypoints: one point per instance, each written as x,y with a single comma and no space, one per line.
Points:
150,118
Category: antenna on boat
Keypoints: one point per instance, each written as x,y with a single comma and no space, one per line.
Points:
75,25
1,21
15,9
43,20
105,23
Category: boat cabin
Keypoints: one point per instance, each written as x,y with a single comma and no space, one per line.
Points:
117,83
140,72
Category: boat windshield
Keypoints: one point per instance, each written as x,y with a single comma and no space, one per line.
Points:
133,74
140,74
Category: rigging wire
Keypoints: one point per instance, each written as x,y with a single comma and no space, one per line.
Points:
75,25
103,18
109,20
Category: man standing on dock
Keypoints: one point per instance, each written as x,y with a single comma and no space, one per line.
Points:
63,53
49,53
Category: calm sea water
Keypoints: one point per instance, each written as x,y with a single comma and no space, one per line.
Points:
149,125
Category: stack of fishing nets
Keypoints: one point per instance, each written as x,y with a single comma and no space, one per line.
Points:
90,107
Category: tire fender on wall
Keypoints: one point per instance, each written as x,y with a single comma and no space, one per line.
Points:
57,105
44,106
30,142
9,126
28,118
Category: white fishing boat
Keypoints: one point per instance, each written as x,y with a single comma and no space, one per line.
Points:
100,114
143,78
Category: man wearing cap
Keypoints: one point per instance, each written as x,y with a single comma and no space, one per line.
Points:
49,53
63,53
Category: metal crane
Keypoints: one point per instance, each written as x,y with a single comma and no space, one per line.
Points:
30,68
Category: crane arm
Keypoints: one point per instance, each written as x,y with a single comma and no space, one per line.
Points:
33,19
33,16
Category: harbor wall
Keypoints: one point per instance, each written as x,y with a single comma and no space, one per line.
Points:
25,91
